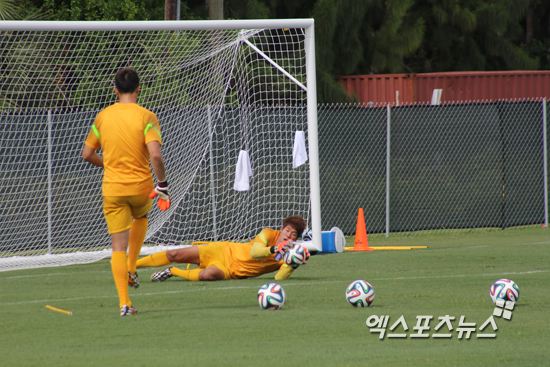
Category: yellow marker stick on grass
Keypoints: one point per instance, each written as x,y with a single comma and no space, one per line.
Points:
391,247
58,310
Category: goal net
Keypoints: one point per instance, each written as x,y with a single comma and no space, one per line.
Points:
217,87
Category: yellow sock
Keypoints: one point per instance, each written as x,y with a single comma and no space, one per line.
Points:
120,273
137,235
186,274
153,261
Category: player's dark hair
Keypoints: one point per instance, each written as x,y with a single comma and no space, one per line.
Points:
297,222
126,80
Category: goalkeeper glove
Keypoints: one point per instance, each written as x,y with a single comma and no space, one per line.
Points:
162,192
280,249
307,253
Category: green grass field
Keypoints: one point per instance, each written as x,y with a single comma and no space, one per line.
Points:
220,323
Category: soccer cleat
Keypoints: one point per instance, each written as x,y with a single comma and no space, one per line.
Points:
161,276
127,311
133,280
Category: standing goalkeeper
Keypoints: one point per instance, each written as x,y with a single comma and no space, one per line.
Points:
129,135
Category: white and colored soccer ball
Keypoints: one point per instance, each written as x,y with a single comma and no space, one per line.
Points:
271,296
505,289
360,293
295,256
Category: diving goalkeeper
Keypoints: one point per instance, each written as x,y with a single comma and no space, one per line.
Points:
228,260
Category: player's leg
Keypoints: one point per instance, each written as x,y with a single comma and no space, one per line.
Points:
119,266
137,236
140,204
188,255
213,272
210,258
153,261
192,274
119,222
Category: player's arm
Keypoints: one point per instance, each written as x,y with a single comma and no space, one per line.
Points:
259,247
90,155
153,140
92,144
157,162
284,272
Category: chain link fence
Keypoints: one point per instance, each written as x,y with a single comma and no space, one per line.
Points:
452,168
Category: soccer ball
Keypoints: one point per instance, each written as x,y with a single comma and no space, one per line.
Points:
360,293
271,296
295,256
505,289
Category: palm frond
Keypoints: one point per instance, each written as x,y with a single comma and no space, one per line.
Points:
8,10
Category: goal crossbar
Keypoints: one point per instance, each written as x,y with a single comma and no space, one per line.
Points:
169,25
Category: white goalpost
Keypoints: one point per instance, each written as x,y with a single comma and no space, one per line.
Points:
217,87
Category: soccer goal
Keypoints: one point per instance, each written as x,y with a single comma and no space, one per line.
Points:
218,88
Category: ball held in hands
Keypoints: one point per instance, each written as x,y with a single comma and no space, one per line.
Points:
296,256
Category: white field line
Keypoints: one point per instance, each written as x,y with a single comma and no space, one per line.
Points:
256,286
159,293
468,275
48,274
510,244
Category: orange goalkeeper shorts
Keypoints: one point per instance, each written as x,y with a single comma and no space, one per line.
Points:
213,255
119,210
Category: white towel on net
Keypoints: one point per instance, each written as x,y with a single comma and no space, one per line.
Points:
299,154
243,172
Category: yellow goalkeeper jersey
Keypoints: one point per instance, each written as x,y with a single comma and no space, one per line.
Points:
123,131
241,265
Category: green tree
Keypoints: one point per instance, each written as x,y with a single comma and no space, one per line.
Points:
267,9
537,32
8,10
362,37
338,48
468,35
246,9
105,9
390,33
21,10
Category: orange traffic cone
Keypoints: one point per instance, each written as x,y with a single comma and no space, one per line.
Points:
361,241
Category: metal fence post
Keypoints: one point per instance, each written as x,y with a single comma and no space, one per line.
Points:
503,167
388,124
545,161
